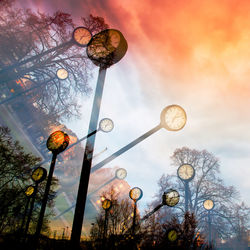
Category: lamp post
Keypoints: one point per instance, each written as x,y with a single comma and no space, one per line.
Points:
29,192
104,49
186,173
209,205
105,125
173,118
106,205
56,143
135,194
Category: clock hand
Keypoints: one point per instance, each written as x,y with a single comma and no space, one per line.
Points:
82,38
171,236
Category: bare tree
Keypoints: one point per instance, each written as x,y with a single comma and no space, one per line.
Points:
25,34
120,218
206,185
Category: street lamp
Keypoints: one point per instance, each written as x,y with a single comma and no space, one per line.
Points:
209,205
172,118
135,194
186,173
56,143
104,49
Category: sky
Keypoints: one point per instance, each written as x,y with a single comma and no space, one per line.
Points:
191,53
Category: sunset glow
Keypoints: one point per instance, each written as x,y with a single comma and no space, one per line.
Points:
189,53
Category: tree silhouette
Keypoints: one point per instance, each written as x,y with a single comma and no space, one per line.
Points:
185,234
15,175
120,218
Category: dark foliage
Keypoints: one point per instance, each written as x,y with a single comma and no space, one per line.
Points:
15,175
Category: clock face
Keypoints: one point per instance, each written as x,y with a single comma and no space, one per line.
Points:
103,44
62,74
57,141
172,235
173,117
106,204
186,172
29,191
135,193
81,36
39,174
107,48
171,198
121,173
208,204
106,125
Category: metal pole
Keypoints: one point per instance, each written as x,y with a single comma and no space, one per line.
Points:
134,219
186,196
63,233
30,212
83,138
87,161
209,230
152,212
45,198
105,224
125,148
25,213
105,229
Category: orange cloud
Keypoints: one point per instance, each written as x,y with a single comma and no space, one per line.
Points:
190,42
